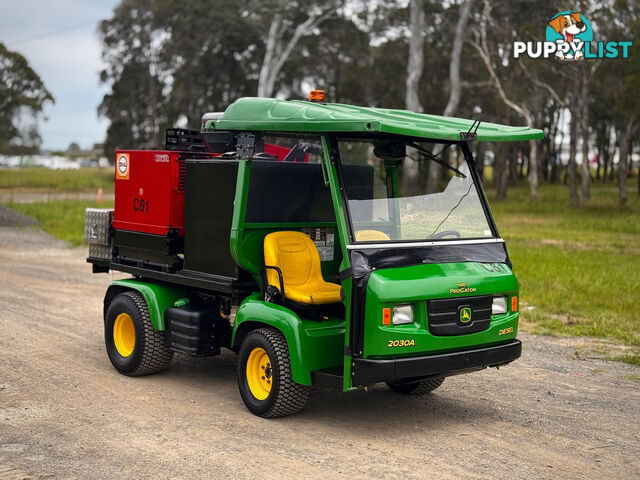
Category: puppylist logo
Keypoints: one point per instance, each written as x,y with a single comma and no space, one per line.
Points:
569,37
570,31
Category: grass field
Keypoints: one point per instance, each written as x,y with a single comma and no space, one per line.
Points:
43,179
578,268
62,219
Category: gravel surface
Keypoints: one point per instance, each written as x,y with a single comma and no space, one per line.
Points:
11,218
66,413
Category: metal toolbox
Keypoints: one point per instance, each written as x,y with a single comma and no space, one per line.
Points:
97,222
99,251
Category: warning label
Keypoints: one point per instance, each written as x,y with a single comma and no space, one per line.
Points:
323,238
122,166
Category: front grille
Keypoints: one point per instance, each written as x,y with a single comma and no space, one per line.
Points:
444,315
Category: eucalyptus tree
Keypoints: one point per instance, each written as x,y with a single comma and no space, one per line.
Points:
22,92
288,22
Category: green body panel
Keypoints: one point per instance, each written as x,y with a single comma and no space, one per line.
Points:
415,285
159,296
343,241
270,114
237,221
312,345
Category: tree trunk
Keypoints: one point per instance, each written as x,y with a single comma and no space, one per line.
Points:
533,168
454,80
638,180
277,52
605,162
616,148
584,127
411,170
625,141
480,150
551,154
266,80
571,168
521,109
512,158
416,56
558,152
412,99
638,171
454,63
500,170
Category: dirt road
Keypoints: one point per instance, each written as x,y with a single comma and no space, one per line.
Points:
66,413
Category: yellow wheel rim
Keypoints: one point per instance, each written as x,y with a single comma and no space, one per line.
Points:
124,334
259,373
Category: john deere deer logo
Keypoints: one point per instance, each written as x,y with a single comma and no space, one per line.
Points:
465,315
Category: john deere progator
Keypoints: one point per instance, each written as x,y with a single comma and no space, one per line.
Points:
302,236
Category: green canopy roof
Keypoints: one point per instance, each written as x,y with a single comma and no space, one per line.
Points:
269,114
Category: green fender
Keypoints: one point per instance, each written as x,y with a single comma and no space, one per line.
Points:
312,345
159,296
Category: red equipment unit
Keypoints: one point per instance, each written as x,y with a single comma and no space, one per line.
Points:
149,191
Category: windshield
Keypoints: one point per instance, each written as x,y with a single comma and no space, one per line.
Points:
391,196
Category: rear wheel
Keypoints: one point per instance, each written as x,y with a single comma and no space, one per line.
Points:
416,388
134,347
264,375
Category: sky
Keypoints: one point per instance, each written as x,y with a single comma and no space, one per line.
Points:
59,39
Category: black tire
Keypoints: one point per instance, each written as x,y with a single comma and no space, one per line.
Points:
416,388
150,354
285,397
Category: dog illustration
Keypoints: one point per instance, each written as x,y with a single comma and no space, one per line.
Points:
568,26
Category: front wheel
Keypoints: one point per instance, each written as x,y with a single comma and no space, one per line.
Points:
416,388
264,375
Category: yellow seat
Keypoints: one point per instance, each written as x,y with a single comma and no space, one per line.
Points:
297,257
371,236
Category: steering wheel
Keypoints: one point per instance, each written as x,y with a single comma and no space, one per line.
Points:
445,233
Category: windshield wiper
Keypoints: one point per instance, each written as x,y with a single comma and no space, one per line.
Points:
427,154
450,212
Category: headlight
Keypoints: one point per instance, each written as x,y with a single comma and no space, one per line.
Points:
499,305
403,314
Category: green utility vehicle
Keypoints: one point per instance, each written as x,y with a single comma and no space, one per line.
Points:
302,236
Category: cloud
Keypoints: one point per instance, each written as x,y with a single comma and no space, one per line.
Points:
68,61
